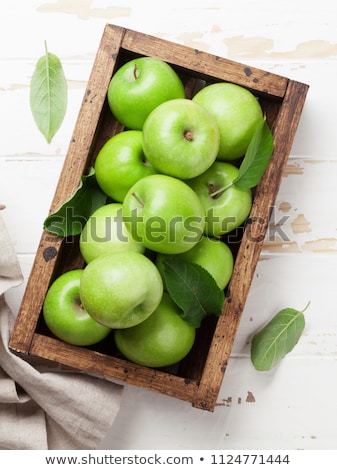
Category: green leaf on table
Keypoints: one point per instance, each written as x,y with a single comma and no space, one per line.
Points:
71,217
277,338
257,157
48,94
193,289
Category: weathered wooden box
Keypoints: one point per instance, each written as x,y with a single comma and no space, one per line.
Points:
197,379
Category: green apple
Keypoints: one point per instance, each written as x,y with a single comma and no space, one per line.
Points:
226,209
105,233
164,214
139,86
162,340
237,113
120,163
122,289
65,316
180,139
212,254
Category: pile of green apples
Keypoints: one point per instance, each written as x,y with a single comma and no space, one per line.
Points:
167,177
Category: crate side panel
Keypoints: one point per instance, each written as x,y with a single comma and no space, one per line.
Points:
250,248
206,64
95,363
34,294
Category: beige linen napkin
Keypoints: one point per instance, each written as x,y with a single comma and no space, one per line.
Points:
46,410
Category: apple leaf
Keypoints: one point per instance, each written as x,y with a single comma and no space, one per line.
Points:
255,161
48,94
193,289
71,217
277,338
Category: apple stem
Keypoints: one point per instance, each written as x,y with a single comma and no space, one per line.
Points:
138,199
188,135
135,70
218,192
2,207
145,161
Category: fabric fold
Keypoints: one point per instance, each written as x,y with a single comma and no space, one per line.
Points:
44,409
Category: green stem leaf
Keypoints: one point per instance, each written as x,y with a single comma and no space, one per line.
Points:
257,157
218,193
48,94
71,217
193,289
277,338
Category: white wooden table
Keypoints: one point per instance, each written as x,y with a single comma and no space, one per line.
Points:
293,406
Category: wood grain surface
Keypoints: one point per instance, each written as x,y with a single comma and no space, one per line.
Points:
292,406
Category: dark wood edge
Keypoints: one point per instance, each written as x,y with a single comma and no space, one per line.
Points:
250,248
112,368
203,63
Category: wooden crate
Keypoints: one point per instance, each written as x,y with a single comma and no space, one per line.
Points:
197,379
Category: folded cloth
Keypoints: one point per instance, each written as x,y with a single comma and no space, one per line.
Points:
46,409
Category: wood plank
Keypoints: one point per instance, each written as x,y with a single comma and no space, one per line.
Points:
284,131
203,64
103,365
